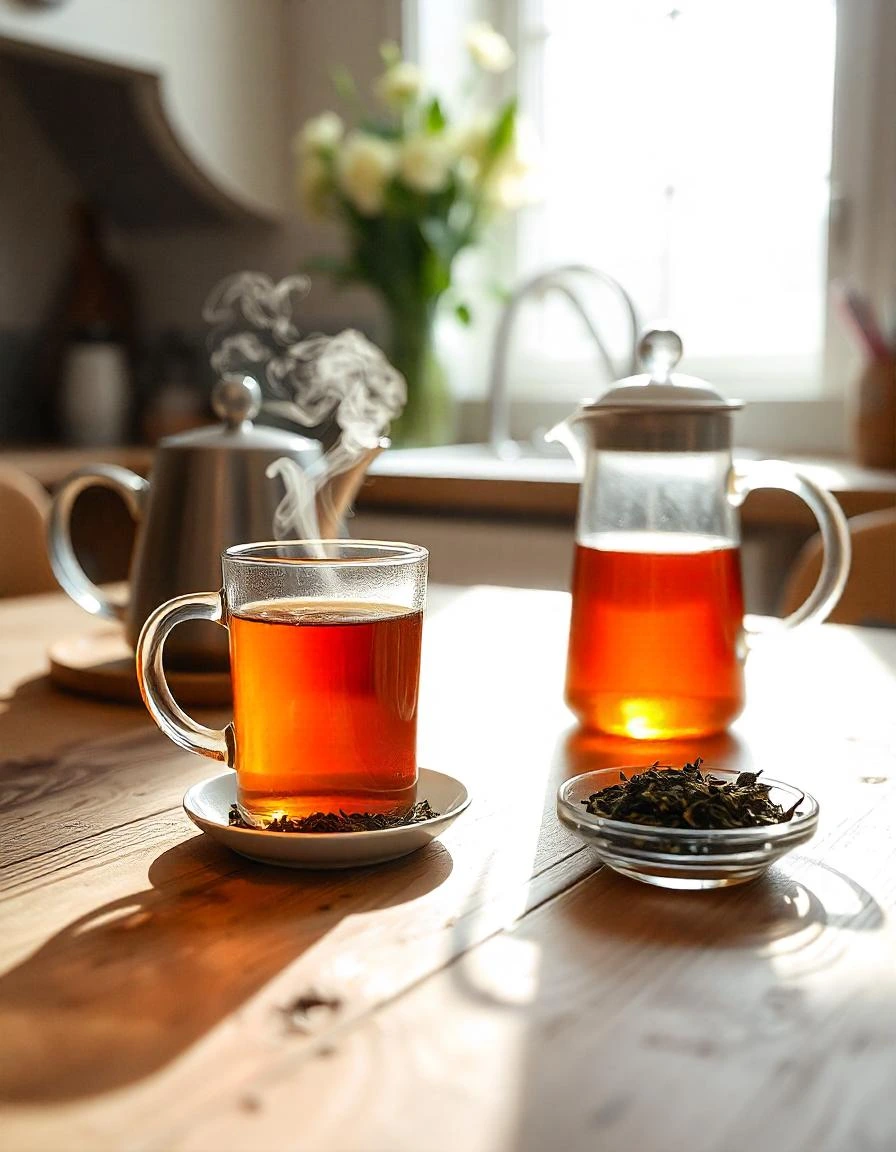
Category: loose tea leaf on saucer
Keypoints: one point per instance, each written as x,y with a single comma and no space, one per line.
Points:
340,821
664,797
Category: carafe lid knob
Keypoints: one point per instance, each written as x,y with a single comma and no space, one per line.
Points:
659,390
236,399
659,351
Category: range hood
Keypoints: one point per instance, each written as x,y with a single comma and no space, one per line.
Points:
111,128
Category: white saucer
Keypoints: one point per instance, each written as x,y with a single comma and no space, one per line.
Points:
208,806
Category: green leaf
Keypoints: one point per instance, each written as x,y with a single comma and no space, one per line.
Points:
341,271
434,117
438,236
463,313
436,277
502,134
377,126
390,53
344,83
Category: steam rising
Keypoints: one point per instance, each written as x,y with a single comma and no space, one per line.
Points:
342,387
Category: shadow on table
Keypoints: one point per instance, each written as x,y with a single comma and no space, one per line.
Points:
615,1000
685,983
577,751
120,992
784,910
73,749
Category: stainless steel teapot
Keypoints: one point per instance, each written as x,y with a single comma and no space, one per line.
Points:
209,489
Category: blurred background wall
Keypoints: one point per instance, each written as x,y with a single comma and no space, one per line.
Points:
172,266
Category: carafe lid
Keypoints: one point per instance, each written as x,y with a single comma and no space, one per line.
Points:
236,400
659,389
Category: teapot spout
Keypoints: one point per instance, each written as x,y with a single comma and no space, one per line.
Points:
564,433
335,497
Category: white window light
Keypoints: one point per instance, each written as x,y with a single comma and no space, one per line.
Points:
688,152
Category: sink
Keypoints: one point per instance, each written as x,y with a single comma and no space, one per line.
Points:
475,461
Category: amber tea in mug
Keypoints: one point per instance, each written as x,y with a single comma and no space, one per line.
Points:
325,706
325,642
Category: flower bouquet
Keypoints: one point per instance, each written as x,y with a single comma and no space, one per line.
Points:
413,186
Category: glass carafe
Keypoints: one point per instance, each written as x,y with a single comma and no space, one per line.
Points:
657,641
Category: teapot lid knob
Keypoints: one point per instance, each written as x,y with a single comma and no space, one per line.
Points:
659,352
235,399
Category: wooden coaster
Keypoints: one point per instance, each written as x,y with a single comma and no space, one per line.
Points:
101,664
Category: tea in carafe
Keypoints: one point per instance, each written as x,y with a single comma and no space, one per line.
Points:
655,646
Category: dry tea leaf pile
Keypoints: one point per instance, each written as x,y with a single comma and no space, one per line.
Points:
341,821
684,797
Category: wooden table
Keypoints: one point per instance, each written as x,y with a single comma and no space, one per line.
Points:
494,991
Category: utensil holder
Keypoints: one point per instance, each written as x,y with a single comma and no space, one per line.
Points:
873,422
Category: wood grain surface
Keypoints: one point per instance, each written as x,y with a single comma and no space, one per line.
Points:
493,991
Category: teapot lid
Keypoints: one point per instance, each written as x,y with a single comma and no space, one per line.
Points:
236,400
659,389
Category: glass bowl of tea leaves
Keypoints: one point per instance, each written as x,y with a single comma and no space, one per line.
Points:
684,827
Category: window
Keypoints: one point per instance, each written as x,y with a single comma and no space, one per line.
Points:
724,160
687,152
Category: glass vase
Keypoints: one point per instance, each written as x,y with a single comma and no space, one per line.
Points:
428,416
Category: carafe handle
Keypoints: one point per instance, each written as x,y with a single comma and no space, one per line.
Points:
750,475
66,566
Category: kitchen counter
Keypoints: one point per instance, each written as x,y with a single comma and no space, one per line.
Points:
50,464
466,479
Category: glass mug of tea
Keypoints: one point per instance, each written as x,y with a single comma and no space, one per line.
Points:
657,640
325,640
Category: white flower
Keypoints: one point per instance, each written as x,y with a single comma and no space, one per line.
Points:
425,163
473,136
488,48
399,85
365,165
314,185
469,142
321,134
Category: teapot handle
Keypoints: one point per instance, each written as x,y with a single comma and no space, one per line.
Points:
832,524
66,567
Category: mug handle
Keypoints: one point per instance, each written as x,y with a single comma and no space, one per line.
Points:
66,567
216,743
750,475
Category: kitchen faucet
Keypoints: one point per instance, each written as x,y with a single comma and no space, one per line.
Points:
554,279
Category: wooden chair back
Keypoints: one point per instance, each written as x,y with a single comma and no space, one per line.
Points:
24,564
870,593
